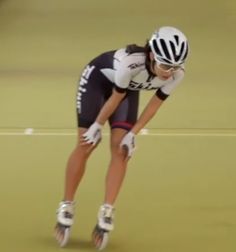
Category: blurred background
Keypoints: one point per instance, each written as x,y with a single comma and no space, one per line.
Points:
179,194
45,44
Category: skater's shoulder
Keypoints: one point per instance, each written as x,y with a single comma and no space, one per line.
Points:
130,53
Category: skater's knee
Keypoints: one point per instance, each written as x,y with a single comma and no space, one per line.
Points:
84,150
116,152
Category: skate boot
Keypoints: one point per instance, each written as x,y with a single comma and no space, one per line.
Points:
65,214
104,226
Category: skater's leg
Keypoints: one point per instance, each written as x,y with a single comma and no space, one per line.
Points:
117,167
74,173
91,96
114,179
76,167
121,122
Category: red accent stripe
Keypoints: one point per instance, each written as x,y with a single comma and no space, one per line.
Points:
124,124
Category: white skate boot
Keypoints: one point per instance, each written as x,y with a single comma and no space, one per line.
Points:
65,214
103,226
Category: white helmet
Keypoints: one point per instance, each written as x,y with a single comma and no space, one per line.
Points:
169,46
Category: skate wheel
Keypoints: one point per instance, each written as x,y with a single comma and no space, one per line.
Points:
65,239
62,234
100,238
104,241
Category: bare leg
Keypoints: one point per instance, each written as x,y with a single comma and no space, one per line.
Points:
114,179
74,173
75,168
117,167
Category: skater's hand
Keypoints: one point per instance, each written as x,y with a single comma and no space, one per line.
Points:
128,144
93,135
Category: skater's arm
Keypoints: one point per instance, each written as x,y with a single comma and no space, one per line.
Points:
149,111
110,106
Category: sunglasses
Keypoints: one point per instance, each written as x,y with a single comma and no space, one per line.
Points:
168,68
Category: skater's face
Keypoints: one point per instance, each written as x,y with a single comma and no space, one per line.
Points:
163,71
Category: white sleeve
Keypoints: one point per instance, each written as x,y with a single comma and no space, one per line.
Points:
173,83
126,69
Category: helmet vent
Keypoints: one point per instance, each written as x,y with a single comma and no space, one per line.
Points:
176,39
180,54
181,51
173,49
165,49
155,46
167,61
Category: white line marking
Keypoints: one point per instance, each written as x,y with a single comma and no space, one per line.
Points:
28,131
194,134
145,132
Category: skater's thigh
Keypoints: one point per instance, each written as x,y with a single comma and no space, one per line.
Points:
125,116
91,96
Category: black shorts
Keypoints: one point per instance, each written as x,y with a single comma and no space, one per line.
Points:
94,90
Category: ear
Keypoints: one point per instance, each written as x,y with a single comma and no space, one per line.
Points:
151,55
